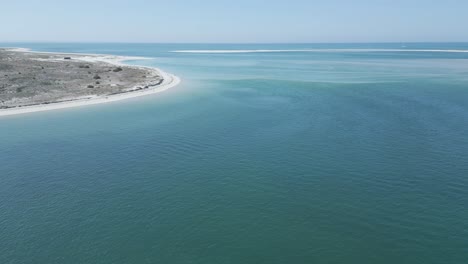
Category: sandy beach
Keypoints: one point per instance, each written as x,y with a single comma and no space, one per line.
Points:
124,81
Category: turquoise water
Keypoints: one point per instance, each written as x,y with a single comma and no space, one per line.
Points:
286,157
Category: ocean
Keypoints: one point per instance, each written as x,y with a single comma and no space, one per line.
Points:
265,153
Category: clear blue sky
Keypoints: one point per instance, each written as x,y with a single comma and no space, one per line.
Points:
234,21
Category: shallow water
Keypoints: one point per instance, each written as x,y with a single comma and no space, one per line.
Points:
285,157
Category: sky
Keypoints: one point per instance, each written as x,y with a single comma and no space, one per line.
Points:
239,21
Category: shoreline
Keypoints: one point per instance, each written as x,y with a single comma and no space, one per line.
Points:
168,81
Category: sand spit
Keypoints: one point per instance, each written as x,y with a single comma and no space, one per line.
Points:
40,81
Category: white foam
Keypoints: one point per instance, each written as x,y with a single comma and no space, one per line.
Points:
317,50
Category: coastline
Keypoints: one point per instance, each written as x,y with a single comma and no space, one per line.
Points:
168,81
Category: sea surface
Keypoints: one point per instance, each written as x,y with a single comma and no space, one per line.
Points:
304,153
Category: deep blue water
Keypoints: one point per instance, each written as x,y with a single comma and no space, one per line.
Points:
287,157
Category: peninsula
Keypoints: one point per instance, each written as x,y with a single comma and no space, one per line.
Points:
38,81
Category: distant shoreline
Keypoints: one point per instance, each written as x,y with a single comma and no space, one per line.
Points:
166,82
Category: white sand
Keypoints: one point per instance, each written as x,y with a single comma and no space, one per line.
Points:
169,81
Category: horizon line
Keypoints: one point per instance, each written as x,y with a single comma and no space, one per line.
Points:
144,42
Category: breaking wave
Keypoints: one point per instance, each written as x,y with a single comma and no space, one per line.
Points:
318,50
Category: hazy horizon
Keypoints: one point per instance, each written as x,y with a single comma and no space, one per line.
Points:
228,43
243,21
